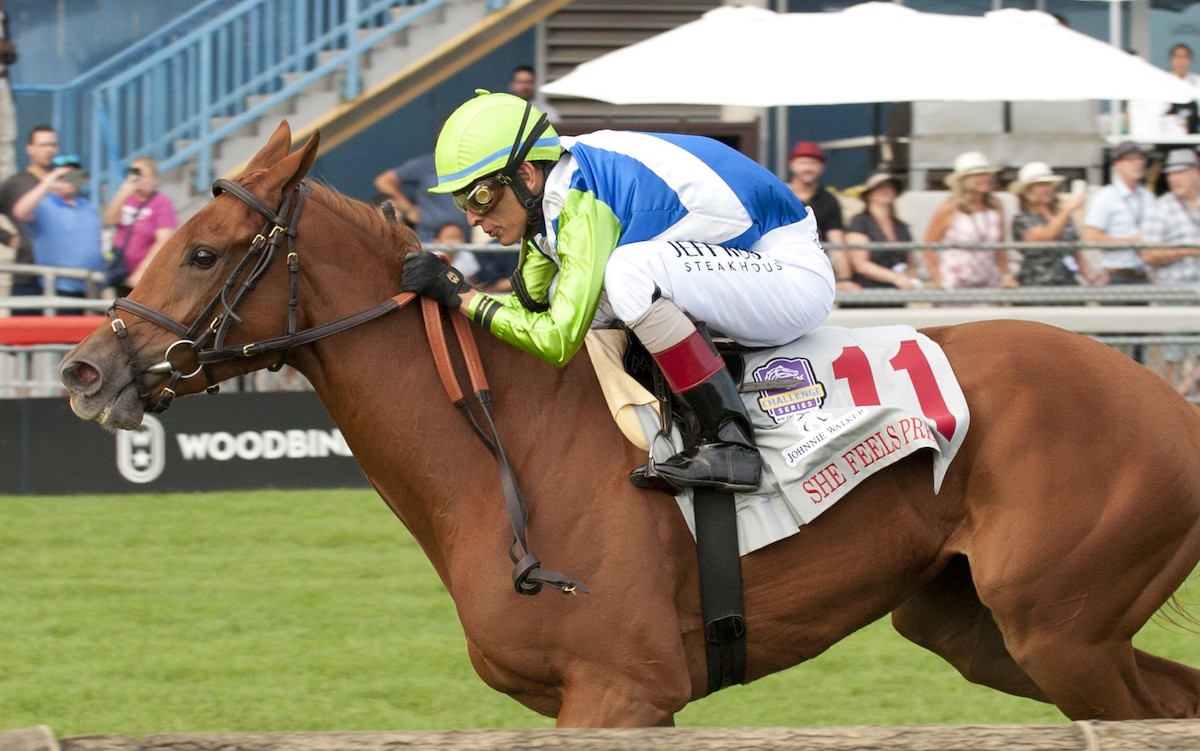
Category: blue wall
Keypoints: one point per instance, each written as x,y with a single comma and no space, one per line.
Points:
58,40
412,130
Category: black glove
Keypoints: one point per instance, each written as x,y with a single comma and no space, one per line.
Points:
427,274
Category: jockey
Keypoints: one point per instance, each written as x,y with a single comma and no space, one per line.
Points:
649,230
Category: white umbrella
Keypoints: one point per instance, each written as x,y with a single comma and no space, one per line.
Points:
874,52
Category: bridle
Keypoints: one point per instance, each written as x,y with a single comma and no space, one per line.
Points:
205,338
206,341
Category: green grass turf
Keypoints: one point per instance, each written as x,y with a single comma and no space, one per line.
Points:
315,610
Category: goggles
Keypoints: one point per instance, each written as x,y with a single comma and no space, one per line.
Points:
481,197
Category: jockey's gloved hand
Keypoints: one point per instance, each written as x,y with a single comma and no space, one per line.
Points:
427,274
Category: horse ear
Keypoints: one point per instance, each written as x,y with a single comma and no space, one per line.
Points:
297,164
276,148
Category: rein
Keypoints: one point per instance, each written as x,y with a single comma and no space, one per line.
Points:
528,576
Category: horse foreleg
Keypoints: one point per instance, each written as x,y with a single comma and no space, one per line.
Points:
947,618
613,701
589,694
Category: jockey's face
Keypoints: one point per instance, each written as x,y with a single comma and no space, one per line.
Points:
508,220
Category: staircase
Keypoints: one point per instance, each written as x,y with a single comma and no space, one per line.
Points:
203,94
204,100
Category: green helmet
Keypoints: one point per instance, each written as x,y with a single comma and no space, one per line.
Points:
481,136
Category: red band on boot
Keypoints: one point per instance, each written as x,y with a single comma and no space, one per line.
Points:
689,363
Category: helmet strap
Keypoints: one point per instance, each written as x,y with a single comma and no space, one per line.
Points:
520,149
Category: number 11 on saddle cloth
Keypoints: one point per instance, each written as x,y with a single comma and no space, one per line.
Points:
858,400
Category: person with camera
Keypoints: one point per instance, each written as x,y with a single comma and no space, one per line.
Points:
40,148
63,225
8,115
144,219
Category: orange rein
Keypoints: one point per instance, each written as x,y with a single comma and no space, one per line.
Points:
528,575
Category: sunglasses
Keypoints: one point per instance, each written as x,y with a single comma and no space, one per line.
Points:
481,197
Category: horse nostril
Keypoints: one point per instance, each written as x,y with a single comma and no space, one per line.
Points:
80,375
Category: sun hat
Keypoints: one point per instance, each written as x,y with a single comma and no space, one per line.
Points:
874,181
809,149
1181,159
970,163
1126,148
481,136
1031,173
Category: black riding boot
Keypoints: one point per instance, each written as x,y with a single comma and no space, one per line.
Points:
725,456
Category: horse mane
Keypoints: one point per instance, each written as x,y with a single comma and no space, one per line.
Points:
396,234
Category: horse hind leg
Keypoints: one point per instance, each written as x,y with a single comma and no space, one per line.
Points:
1176,686
947,618
1072,632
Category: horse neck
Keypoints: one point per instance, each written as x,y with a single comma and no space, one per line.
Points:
381,386
382,389
366,375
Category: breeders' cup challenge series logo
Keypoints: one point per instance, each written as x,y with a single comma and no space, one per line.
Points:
782,404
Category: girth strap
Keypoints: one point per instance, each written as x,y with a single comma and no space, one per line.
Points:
720,587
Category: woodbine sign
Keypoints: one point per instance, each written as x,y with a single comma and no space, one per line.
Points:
224,442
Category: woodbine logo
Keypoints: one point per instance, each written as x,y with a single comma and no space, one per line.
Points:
141,453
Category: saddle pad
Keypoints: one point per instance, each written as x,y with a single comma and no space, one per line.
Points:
858,401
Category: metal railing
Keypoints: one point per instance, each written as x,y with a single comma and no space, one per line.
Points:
1145,315
177,95
49,303
31,371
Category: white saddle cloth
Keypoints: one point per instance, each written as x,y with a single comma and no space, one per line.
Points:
857,401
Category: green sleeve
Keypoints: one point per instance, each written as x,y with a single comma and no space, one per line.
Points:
587,234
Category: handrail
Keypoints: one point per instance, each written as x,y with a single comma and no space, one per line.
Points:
167,105
187,90
1083,294
49,275
233,101
1021,245
70,116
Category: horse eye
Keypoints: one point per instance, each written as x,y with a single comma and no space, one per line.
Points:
203,258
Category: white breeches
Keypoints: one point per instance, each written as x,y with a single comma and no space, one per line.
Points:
779,289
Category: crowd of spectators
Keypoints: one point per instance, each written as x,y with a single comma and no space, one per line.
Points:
1124,210
54,224
47,219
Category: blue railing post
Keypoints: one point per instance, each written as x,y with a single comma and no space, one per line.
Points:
96,149
204,169
353,85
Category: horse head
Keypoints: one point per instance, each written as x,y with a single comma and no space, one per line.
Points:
229,279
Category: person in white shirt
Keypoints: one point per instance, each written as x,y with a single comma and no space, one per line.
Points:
1116,214
1181,66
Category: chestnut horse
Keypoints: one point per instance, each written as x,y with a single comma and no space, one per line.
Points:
1067,519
